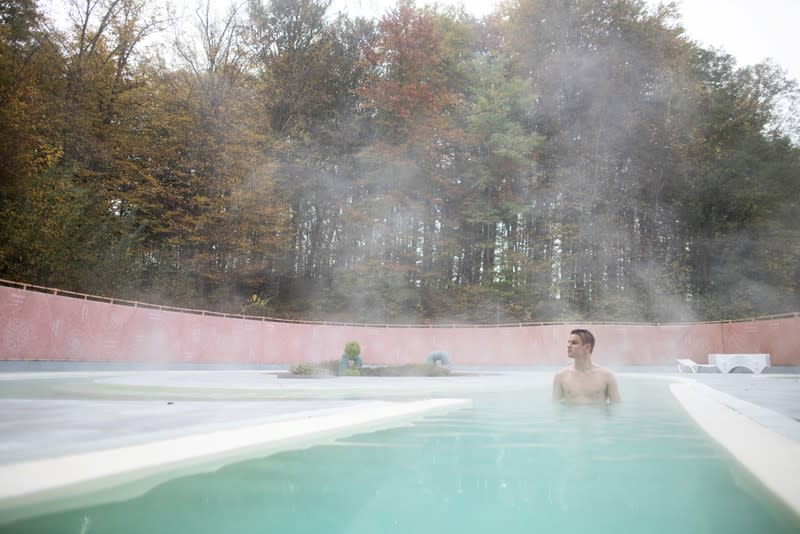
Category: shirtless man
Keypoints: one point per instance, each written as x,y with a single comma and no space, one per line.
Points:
583,382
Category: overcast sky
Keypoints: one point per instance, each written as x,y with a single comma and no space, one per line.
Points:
751,30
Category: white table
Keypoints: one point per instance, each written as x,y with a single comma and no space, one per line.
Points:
726,362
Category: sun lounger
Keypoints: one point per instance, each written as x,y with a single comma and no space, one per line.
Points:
756,363
685,364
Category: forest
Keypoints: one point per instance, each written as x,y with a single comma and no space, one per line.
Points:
557,160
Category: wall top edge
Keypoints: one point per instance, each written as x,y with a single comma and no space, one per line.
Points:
137,304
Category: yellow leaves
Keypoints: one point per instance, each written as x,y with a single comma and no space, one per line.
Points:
47,156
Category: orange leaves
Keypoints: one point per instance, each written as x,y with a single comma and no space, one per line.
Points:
406,81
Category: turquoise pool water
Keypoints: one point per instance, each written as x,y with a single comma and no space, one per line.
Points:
513,463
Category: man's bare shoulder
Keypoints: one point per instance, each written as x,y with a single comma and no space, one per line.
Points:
564,371
606,374
603,370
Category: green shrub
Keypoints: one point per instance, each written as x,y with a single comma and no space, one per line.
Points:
303,369
352,349
327,368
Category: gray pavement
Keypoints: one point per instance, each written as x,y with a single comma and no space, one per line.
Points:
777,392
34,429
772,401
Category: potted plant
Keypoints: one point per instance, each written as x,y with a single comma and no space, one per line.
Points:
351,359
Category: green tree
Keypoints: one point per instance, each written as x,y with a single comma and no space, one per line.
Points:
58,234
740,175
30,66
215,221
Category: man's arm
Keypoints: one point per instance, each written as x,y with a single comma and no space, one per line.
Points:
558,390
612,390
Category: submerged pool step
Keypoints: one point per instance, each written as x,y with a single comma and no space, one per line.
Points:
37,480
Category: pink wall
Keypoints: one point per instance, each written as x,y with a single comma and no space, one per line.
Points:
42,326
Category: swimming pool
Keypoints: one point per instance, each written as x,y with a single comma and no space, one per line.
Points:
513,463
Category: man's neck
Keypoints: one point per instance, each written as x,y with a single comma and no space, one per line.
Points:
584,364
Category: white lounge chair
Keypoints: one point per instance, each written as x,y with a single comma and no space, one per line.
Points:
726,363
685,364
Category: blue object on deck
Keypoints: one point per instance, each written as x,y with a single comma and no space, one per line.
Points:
439,356
344,363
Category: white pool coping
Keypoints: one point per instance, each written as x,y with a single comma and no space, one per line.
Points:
29,482
768,455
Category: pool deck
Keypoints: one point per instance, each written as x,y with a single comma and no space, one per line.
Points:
65,429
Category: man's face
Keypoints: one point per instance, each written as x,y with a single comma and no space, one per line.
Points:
576,347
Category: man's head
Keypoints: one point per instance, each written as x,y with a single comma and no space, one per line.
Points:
580,343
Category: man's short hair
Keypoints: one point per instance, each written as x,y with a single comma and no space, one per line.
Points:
586,337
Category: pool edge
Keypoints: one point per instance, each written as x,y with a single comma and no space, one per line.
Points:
28,483
766,454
